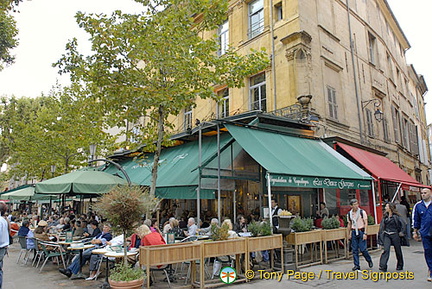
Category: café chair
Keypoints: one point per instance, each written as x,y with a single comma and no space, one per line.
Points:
56,252
23,243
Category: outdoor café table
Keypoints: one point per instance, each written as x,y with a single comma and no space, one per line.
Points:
81,249
110,254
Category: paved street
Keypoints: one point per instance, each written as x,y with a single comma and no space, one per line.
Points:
18,276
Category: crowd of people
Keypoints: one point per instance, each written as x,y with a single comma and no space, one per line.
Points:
395,230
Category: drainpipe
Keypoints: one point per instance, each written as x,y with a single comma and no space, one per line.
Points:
355,74
273,62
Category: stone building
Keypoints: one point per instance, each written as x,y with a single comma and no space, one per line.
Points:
340,66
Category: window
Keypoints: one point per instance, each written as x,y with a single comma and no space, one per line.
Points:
223,105
223,36
398,80
413,138
331,95
407,94
396,122
389,67
279,12
405,133
369,122
256,18
188,118
385,130
372,49
257,92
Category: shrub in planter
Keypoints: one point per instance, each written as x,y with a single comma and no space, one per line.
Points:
302,224
123,206
219,233
330,223
260,228
371,220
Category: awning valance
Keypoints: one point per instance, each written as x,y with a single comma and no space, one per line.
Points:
177,173
380,167
299,162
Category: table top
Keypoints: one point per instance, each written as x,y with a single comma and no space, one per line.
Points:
119,255
81,247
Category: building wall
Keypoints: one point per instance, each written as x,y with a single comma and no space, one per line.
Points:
312,55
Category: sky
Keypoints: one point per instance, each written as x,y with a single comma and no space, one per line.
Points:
45,26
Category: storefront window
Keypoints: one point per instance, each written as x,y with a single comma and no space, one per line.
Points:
346,195
330,200
364,198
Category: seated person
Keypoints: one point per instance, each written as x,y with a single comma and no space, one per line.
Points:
24,231
207,231
96,231
99,241
175,228
192,228
77,231
40,234
14,227
95,258
149,238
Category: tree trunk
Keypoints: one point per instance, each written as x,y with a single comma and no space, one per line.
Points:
161,133
125,261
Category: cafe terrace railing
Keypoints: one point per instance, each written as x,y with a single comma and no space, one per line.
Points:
200,250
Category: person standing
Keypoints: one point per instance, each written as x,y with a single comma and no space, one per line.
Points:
405,203
392,227
4,238
422,224
357,230
275,211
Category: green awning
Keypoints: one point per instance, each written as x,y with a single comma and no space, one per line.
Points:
299,162
177,172
184,193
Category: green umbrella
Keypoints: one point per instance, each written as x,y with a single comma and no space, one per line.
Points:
25,194
21,194
80,183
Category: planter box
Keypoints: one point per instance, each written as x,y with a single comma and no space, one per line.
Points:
300,238
339,234
223,248
373,229
334,234
168,254
265,243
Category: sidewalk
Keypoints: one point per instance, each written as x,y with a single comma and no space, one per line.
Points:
17,276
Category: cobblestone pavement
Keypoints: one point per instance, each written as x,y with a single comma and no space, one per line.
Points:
331,276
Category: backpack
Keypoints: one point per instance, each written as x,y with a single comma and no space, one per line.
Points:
349,218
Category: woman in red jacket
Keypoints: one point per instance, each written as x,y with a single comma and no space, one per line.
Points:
149,238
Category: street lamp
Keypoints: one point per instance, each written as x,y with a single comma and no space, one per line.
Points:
378,114
53,168
92,151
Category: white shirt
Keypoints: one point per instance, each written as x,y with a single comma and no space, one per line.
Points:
4,233
117,241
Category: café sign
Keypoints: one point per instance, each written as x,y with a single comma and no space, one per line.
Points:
318,182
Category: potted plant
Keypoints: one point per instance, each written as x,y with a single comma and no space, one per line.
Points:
123,206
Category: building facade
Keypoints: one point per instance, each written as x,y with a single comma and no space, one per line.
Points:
352,65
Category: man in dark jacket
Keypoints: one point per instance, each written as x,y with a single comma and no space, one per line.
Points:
422,224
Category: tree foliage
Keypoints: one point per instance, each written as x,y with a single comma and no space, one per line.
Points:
50,130
8,38
156,63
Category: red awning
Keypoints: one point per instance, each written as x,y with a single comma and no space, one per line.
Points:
380,167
